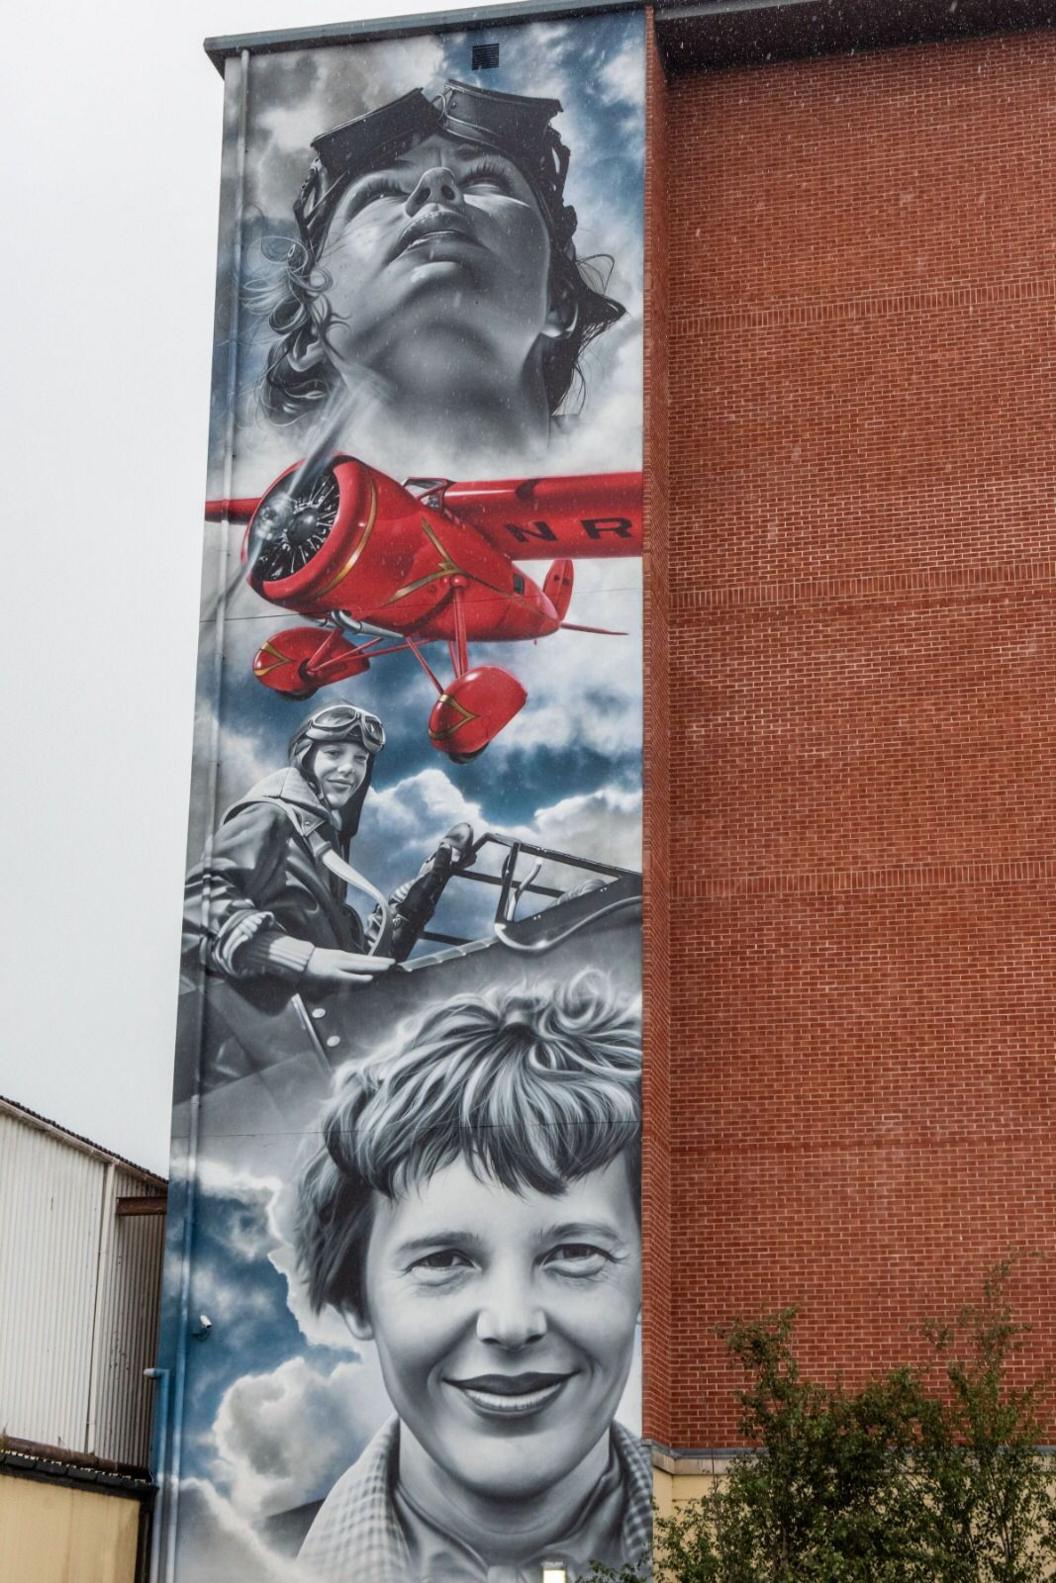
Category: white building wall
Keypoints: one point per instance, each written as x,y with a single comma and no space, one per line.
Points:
78,1294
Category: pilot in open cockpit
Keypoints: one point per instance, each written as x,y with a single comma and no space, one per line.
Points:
268,901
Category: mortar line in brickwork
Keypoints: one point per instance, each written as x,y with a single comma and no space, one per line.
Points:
906,876
870,586
866,305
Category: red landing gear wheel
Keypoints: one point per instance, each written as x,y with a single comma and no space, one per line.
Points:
473,710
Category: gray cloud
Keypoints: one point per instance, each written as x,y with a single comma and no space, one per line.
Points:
605,824
284,1438
216,1545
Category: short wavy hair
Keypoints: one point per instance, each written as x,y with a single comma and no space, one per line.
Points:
533,1089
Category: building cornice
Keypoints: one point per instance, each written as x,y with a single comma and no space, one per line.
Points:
696,34
702,34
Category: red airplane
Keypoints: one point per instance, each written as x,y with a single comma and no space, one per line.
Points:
382,567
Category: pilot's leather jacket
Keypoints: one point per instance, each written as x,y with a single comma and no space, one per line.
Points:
262,900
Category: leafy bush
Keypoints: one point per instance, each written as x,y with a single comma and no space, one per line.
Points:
985,1503
922,1476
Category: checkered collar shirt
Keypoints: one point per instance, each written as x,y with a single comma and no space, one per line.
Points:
357,1533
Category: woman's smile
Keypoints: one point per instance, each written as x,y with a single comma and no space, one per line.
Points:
512,1395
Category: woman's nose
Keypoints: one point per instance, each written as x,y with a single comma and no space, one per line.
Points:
437,185
510,1316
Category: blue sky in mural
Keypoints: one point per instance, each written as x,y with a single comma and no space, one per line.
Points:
271,1419
244,1298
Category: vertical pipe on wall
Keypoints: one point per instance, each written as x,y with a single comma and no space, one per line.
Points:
159,1469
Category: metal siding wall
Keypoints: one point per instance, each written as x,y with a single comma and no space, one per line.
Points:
79,1292
129,1322
50,1202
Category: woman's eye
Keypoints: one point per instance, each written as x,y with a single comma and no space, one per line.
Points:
577,1258
485,179
381,187
443,1262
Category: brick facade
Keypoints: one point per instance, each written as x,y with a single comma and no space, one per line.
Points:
859,616
656,832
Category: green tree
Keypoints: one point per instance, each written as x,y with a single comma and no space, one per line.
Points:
985,1500
921,1476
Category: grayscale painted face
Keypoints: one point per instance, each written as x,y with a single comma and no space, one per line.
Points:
448,229
505,1321
340,769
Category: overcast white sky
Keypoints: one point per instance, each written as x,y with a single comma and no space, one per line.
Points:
111,121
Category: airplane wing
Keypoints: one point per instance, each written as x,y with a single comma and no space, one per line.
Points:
588,517
230,510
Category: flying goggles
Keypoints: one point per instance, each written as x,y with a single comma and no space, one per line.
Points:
341,723
510,123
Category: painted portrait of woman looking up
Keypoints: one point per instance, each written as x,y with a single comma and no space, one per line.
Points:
433,309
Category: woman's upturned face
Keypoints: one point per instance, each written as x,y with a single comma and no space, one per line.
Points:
449,234
505,1322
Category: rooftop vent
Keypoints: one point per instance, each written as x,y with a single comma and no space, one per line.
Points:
485,57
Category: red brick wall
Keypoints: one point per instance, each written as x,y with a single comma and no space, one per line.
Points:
656,978
863,697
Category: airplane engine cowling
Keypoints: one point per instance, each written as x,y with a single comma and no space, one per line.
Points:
312,528
473,710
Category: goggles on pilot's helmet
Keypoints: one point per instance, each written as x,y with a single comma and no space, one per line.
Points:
340,723
510,123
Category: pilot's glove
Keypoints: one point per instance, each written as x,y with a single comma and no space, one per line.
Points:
414,903
454,853
331,968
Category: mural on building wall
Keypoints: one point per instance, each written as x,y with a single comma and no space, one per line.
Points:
404,1269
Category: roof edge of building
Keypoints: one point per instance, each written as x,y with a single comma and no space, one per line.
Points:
703,34
693,33
56,1465
33,1118
447,21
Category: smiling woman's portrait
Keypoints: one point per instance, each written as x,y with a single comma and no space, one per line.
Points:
474,1211
433,295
